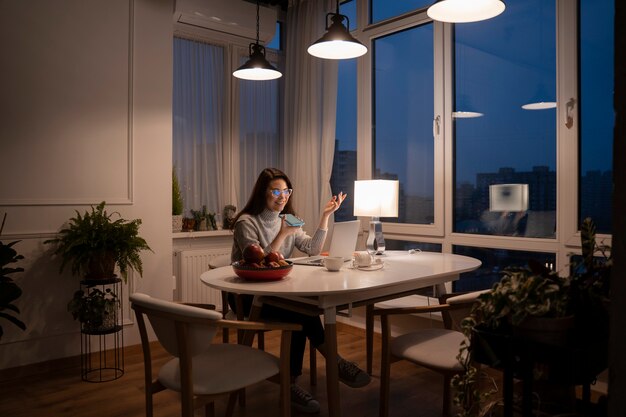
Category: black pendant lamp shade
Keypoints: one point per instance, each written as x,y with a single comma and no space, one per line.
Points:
337,42
257,67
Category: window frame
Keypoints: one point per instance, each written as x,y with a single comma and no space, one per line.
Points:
235,48
567,238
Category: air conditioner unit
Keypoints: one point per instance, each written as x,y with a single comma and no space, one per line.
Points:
235,17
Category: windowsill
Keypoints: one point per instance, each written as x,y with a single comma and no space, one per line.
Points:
209,233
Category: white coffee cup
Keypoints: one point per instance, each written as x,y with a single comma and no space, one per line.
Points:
333,263
362,259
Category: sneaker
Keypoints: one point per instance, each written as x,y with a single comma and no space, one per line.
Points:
351,375
303,401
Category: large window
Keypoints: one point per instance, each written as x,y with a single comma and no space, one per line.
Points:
198,122
225,130
505,123
486,92
385,9
596,112
403,108
344,160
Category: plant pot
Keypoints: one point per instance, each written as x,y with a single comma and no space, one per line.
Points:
108,321
548,330
101,266
189,224
177,223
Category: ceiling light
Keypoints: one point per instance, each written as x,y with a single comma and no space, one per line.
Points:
464,11
257,67
540,105
466,114
337,42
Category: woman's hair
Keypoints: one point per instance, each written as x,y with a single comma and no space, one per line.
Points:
257,201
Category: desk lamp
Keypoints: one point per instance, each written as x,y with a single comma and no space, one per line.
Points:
376,198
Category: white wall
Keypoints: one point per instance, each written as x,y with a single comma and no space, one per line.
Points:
86,117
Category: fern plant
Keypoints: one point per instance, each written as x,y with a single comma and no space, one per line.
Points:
93,243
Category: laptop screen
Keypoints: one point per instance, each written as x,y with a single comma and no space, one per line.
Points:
343,241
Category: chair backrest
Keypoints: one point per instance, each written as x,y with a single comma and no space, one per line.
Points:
219,261
460,307
169,318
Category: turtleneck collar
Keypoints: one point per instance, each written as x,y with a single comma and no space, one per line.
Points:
268,215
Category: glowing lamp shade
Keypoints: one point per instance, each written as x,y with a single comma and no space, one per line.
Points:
257,68
465,11
508,197
540,105
337,42
376,198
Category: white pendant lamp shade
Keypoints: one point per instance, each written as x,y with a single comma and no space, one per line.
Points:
337,42
257,67
464,11
540,105
466,114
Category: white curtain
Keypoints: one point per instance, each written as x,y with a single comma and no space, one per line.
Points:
257,127
198,126
310,110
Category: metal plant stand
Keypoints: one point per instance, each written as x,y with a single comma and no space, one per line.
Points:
102,349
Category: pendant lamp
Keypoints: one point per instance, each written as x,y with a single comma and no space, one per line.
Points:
464,11
257,67
337,42
540,100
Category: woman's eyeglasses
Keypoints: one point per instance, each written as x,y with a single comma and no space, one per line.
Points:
276,192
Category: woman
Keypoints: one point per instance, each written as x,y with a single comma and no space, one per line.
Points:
259,222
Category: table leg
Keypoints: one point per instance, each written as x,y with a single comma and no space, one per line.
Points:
332,372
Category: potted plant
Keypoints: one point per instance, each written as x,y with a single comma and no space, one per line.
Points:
536,304
9,290
177,204
94,309
94,243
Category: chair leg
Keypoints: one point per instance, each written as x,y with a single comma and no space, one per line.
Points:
230,407
209,409
261,340
369,337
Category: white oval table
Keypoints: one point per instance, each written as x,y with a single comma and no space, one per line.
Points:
316,288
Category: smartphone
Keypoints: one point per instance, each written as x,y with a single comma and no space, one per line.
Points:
293,220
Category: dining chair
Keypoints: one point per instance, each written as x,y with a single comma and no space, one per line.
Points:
408,301
227,313
433,348
199,370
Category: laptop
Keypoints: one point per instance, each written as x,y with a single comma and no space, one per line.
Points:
342,243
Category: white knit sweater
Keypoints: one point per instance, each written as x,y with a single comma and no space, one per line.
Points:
263,228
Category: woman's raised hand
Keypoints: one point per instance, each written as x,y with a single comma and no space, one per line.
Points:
334,203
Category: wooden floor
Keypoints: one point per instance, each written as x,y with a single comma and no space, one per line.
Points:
415,391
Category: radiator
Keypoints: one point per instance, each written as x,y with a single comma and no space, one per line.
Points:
192,263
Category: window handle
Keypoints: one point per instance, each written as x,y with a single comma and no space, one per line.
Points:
436,122
569,112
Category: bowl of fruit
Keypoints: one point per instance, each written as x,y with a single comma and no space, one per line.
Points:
255,265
